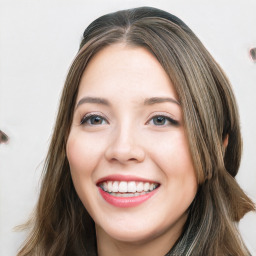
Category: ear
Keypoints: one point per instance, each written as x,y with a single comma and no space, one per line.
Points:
225,141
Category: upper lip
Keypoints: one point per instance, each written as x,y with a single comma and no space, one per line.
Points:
119,177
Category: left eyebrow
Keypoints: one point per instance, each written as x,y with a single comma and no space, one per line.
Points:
154,100
94,100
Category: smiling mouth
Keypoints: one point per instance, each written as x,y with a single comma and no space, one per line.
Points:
128,188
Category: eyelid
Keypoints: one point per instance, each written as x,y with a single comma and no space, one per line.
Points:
90,114
169,117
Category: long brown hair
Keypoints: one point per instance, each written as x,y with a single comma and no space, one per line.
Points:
61,224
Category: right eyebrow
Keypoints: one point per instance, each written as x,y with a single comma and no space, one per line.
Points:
92,100
154,100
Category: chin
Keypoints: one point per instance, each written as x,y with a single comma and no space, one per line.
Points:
136,233
132,236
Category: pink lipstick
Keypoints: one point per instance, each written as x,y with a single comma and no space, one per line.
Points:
126,191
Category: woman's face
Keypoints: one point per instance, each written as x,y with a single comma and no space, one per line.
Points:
127,148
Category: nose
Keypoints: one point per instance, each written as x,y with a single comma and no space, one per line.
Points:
125,147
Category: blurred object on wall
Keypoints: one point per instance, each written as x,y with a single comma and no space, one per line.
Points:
253,54
3,137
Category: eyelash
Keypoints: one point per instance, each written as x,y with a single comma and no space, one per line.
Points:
166,118
88,117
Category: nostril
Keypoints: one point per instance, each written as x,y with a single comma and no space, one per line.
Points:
3,137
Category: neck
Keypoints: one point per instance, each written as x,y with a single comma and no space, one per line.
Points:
158,245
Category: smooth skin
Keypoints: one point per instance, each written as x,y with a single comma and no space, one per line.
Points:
119,127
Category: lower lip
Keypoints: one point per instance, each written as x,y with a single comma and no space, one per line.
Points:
125,202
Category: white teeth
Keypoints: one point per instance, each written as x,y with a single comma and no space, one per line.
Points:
151,187
131,187
110,186
115,187
127,194
140,187
105,186
122,187
146,186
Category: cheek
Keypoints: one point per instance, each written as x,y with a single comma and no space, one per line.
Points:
173,156
82,154
83,160
174,150
75,154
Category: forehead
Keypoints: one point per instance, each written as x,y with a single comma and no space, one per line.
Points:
128,70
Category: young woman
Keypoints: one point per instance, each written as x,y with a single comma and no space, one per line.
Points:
145,149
